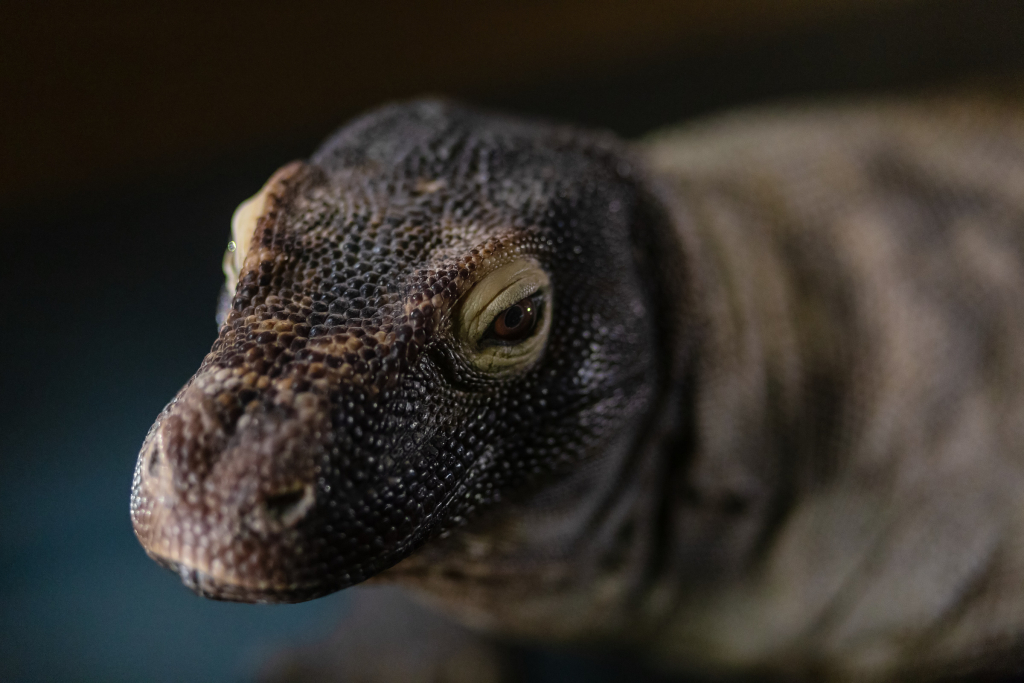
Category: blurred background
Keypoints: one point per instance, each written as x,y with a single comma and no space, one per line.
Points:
128,133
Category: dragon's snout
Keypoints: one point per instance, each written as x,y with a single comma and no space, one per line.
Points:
220,489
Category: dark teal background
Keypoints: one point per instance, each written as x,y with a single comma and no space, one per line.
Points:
107,307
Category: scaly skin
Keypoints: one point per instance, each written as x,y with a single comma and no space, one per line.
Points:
770,417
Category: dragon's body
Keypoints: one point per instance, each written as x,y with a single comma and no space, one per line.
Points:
747,396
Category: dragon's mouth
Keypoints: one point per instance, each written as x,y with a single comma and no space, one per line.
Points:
207,585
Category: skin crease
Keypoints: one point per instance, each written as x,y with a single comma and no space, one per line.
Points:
770,421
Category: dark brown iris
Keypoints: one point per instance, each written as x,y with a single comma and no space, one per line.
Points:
516,322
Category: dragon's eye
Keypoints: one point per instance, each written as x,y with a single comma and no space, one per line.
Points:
516,322
243,227
502,323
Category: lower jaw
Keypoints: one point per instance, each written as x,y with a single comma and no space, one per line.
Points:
209,586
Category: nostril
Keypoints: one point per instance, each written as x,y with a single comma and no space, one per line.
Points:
289,506
152,462
279,505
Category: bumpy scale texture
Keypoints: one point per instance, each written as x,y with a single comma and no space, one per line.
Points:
337,423
775,426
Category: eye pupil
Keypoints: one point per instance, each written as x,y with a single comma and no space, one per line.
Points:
514,316
517,321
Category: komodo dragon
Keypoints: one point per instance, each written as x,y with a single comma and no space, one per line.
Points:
746,396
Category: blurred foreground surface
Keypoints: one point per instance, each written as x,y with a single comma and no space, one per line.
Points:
109,294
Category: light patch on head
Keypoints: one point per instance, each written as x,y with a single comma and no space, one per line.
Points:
482,310
243,227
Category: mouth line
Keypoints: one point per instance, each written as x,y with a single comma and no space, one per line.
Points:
209,586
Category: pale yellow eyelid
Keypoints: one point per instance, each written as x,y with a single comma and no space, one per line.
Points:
243,227
501,288
497,291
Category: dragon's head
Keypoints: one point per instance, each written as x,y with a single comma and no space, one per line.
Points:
442,309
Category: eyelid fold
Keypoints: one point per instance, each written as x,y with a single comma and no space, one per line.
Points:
500,289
